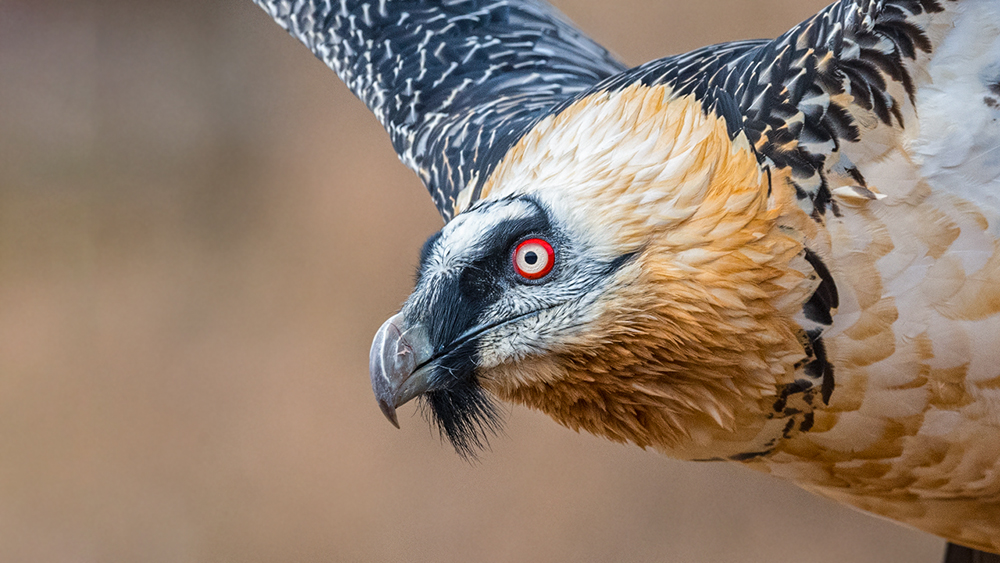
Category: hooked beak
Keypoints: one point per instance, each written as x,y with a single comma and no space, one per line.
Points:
396,363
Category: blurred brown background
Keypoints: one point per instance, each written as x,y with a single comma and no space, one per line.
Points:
200,230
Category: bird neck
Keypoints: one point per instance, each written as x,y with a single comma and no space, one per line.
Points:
695,338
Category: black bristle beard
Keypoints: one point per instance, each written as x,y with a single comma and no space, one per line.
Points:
466,414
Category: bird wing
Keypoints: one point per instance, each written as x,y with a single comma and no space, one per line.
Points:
454,83
855,70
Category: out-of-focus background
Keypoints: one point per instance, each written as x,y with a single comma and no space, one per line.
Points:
200,230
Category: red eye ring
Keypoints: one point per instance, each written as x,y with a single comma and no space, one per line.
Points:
533,258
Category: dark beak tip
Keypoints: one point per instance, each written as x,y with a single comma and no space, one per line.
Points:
389,411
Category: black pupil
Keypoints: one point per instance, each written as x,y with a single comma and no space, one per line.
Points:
530,257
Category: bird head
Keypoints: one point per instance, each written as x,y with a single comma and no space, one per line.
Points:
630,270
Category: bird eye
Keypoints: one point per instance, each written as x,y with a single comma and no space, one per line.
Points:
534,258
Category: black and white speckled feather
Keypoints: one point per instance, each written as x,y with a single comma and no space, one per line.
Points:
786,90
455,83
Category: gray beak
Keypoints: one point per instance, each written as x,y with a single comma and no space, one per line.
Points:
397,365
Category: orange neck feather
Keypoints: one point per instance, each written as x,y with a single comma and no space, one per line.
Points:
695,337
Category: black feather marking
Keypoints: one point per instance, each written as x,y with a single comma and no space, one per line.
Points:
907,37
723,105
747,456
797,386
820,368
808,419
960,554
822,198
786,432
466,414
842,124
856,175
825,299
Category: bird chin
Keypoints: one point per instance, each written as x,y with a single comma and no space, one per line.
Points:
465,413
403,367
